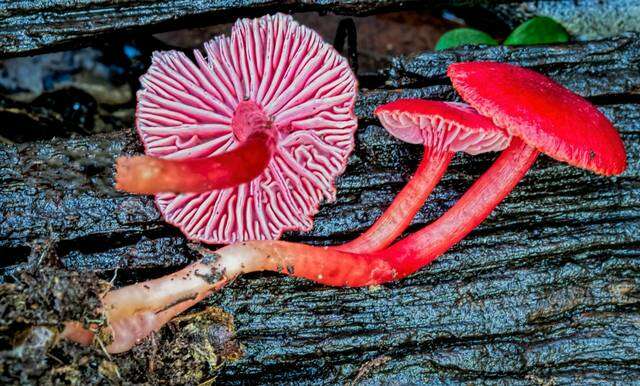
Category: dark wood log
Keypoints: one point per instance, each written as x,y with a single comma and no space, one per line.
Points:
30,26
545,290
27,26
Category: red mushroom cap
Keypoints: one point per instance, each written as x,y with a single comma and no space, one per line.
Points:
543,113
271,72
445,126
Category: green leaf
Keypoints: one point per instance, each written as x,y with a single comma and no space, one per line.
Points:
464,36
539,30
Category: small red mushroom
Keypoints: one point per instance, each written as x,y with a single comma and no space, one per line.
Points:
547,117
443,128
245,144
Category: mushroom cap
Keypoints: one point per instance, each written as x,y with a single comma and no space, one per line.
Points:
302,85
543,113
444,126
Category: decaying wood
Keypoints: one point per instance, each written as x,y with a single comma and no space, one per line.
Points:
27,26
545,291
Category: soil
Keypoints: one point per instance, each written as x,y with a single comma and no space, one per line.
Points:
35,306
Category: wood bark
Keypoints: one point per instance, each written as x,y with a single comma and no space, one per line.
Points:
545,290
27,26
30,26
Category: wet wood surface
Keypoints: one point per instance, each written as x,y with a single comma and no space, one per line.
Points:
27,26
545,291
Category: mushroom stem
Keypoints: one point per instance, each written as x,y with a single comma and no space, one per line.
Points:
150,175
405,205
137,310
133,312
422,247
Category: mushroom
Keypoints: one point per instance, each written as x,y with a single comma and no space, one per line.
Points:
539,113
546,115
246,143
443,128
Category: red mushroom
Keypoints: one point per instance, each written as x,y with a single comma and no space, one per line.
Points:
549,118
544,114
245,143
443,128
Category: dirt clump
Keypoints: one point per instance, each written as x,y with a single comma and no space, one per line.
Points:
35,306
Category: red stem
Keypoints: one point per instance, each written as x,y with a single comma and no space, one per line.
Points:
150,175
422,247
405,205
135,311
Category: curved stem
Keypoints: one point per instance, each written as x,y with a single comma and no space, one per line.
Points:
405,205
135,311
477,203
150,175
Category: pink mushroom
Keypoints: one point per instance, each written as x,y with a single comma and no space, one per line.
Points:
546,116
245,144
